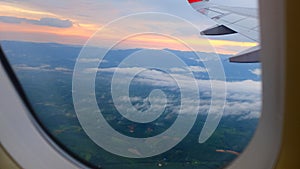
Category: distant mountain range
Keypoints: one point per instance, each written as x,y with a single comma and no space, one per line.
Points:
63,57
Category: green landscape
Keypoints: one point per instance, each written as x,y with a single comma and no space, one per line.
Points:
48,85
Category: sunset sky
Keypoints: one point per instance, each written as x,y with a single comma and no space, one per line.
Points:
76,21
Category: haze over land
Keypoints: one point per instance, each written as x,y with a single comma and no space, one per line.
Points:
45,71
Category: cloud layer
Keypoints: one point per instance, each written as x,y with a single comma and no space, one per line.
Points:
243,98
43,67
52,22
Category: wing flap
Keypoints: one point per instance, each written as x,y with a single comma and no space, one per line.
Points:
251,55
218,30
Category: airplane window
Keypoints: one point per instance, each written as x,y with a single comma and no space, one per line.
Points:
152,84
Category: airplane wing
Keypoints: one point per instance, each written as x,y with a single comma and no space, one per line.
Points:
231,20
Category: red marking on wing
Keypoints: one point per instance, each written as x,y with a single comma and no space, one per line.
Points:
193,1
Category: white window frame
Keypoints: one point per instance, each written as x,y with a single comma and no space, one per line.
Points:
31,148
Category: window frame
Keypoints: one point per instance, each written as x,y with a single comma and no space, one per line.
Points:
31,147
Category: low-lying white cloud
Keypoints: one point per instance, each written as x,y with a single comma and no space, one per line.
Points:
243,98
91,60
43,67
256,72
197,69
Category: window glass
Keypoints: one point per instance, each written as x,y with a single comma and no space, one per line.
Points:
127,84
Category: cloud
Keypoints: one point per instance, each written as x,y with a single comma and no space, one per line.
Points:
158,78
52,22
85,23
243,98
178,70
110,10
11,19
245,109
190,68
62,69
256,72
43,67
197,69
91,60
25,67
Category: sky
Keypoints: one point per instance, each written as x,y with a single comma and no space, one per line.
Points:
105,22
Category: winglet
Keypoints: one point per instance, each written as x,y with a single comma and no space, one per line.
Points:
193,1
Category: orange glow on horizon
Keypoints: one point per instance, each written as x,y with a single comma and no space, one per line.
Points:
80,32
232,43
160,42
36,29
66,36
